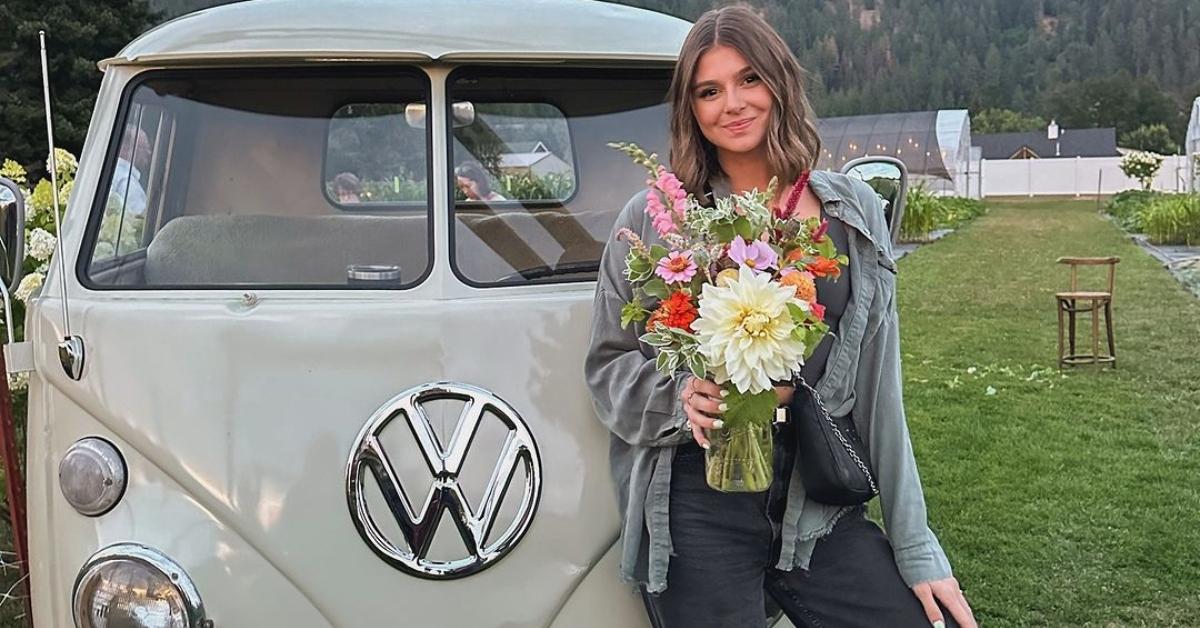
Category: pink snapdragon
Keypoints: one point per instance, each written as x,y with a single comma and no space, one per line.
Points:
756,254
667,186
676,267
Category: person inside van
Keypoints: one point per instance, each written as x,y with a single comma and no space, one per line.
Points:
706,558
473,181
348,188
133,158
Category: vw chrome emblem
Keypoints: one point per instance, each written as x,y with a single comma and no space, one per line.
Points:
419,526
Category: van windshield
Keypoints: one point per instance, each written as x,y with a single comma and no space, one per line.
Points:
293,178
536,188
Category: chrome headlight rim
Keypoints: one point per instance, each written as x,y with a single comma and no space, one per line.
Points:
115,468
149,557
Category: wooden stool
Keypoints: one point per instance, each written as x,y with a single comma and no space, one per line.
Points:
1068,303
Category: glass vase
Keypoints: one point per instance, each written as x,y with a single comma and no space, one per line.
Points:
740,459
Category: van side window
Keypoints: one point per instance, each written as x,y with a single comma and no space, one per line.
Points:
514,151
374,156
231,178
537,190
135,182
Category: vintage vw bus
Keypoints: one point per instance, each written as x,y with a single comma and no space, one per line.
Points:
314,374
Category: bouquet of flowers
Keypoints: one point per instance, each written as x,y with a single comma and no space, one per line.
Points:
730,297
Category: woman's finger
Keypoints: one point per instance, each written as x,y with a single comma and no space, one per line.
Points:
707,388
701,419
925,594
711,406
959,609
698,434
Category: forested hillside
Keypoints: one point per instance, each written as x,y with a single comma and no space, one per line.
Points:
1122,63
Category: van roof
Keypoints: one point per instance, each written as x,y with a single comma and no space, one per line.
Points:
412,30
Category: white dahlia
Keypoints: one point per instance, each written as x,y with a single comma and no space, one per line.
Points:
745,331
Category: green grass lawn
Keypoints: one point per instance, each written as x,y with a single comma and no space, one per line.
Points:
1061,500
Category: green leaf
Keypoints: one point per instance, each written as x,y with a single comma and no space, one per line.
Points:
658,252
662,361
658,339
798,313
696,366
743,228
656,288
749,409
632,312
725,232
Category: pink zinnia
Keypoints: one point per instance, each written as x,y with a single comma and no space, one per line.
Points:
677,267
756,255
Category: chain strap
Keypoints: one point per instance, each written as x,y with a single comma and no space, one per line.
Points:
838,432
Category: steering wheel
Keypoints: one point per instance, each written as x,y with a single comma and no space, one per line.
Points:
545,270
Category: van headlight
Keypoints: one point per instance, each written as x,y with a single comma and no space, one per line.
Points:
133,586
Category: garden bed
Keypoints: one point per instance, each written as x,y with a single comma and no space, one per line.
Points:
1167,226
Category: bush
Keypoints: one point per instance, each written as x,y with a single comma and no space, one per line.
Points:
529,187
958,210
924,212
920,214
1142,166
1126,208
1155,138
1173,219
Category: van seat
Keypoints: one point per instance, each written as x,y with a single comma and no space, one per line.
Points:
273,249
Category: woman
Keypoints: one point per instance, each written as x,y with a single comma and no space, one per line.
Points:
472,179
706,558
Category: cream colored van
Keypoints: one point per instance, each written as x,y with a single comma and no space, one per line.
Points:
314,373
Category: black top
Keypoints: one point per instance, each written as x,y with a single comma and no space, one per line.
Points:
834,295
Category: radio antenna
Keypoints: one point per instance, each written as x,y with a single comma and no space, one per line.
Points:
70,351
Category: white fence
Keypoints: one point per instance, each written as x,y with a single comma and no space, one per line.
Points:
1072,176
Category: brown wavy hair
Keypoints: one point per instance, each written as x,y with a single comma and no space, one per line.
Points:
792,141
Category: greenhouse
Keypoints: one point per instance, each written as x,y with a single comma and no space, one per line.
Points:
1191,145
935,146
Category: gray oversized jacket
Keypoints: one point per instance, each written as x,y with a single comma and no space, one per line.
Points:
642,407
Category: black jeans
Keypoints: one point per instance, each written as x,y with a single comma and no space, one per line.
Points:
722,573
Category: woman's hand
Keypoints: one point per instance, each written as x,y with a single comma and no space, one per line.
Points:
702,401
950,595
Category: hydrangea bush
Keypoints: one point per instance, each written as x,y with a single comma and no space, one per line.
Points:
1142,165
41,239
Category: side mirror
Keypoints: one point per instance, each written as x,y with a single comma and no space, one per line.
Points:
12,234
889,178
463,112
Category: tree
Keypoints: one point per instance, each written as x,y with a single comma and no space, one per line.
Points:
1155,138
1119,101
996,120
79,33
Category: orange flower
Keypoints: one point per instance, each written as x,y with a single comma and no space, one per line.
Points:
675,311
806,288
793,255
825,267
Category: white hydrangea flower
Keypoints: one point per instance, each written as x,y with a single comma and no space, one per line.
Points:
41,244
29,284
745,331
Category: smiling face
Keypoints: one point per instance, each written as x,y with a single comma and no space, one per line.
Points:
732,105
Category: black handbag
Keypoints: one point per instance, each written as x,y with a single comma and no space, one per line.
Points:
833,464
